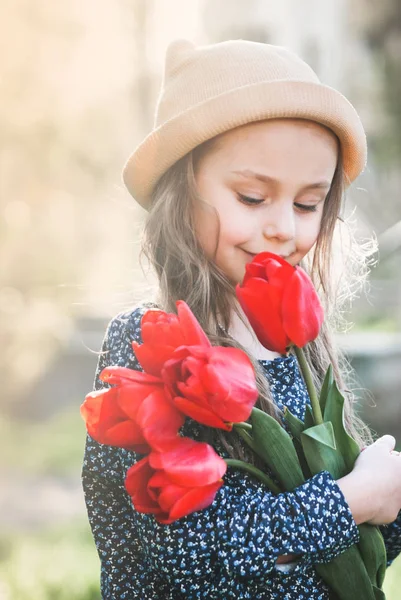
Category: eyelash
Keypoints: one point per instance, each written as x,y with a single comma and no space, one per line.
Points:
256,201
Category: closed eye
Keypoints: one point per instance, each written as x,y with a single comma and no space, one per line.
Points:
249,200
255,201
306,207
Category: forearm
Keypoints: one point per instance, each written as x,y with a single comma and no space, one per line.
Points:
358,496
312,522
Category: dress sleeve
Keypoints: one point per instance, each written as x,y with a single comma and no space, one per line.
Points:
241,534
392,539
110,512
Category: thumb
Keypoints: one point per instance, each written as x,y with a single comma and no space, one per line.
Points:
387,440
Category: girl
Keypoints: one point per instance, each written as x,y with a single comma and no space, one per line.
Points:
250,153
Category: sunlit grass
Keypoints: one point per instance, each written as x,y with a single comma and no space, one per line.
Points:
61,563
392,582
56,564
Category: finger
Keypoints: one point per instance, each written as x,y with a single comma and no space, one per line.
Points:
386,440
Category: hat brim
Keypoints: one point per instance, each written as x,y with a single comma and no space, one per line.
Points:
271,100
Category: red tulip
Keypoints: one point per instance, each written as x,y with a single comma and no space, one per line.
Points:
215,386
280,302
108,424
163,332
177,482
134,414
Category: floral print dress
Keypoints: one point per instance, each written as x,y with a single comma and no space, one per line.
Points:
228,550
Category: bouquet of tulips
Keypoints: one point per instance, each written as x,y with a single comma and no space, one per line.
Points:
184,375
284,311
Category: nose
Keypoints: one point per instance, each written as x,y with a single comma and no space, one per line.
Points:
279,222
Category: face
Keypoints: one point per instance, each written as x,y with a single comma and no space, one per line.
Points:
267,183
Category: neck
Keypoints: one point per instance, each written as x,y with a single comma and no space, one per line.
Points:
244,334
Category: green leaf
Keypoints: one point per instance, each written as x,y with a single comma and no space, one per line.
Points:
323,433
302,460
276,448
379,594
295,425
346,575
320,450
309,421
327,383
373,551
334,412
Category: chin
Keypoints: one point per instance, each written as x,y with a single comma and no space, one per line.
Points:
236,278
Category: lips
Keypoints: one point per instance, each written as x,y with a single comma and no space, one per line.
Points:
252,255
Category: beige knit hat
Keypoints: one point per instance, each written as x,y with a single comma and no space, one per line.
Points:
208,90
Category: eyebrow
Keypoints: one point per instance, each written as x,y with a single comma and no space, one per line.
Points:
266,179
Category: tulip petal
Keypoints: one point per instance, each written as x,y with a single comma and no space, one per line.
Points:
257,268
108,424
159,479
126,435
253,269
193,332
263,309
100,409
152,357
302,311
195,499
159,421
131,397
169,495
189,463
136,482
120,375
158,325
277,267
181,446
288,310
229,378
201,414
193,389
192,364
96,406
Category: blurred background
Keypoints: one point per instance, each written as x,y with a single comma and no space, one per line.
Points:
79,82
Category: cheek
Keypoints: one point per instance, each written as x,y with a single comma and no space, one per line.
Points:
207,227
308,233
220,228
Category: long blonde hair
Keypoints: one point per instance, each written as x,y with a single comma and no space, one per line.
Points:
185,273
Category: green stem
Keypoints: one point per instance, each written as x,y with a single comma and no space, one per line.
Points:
239,464
307,375
242,425
246,437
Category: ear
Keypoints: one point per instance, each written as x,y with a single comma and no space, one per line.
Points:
176,55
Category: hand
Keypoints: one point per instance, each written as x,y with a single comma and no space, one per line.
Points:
373,488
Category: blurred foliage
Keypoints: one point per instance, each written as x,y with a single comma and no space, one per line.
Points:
55,564
52,447
382,30
72,108
376,322
66,112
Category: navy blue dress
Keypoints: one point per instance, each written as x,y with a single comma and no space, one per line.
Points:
228,550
